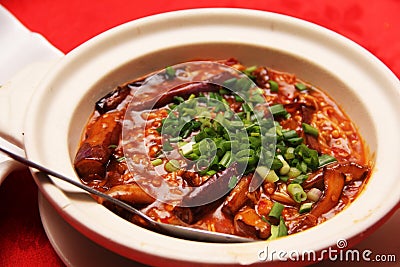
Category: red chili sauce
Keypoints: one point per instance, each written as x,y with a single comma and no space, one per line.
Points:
326,189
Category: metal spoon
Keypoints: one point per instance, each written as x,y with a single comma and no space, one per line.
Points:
163,228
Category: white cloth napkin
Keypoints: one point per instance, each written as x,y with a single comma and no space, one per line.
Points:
19,48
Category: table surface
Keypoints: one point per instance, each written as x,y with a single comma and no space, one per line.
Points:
374,24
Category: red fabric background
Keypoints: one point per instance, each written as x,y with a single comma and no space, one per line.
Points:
374,24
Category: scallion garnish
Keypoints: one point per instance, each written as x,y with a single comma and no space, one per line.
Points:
187,148
288,134
172,165
156,162
284,178
121,159
294,141
276,164
300,179
308,129
276,210
170,72
325,159
296,192
314,194
305,207
248,71
267,174
294,172
211,172
278,110
226,159
278,230
285,166
273,86
211,141
300,86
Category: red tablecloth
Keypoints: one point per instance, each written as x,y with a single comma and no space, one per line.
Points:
374,24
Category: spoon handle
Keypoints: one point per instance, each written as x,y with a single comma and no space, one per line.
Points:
75,183
173,230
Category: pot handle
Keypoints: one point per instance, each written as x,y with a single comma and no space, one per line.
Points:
15,96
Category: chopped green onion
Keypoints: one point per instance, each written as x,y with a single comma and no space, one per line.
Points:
192,156
305,207
262,171
257,99
230,83
300,86
187,149
282,228
308,129
244,84
172,106
295,141
278,129
202,164
309,156
172,165
300,179
278,230
285,168
288,134
178,99
314,194
294,172
267,174
167,146
170,71
284,178
182,143
276,210
112,146
244,153
325,159
175,139
273,86
289,154
272,177
247,107
212,95
224,91
238,98
121,159
278,110
276,164
211,172
235,124
156,162
205,146
249,70
296,192
302,167
226,159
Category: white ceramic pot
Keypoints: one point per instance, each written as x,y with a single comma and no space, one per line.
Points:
360,83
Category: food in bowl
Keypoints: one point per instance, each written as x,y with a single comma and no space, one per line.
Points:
277,154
